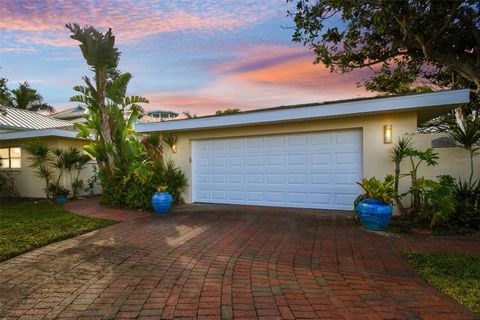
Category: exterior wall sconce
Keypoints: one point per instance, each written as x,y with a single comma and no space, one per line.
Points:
174,148
387,133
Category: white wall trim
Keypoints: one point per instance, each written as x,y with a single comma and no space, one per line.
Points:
328,110
39,133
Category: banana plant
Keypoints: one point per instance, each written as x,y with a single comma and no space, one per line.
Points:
100,53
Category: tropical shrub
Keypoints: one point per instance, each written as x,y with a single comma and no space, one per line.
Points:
375,189
50,164
437,204
8,188
467,204
130,166
404,150
41,158
466,133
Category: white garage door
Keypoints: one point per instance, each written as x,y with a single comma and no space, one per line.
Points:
312,170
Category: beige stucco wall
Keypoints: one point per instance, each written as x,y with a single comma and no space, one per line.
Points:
26,181
3,130
454,161
376,159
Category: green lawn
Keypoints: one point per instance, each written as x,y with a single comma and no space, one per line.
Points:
457,275
25,225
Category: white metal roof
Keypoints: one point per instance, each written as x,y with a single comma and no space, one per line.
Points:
70,113
20,119
431,104
28,134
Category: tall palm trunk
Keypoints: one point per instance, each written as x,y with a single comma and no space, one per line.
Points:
106,135
471,151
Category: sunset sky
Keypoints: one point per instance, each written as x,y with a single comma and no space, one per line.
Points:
197,56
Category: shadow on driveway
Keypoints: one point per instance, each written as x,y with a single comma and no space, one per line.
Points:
225,262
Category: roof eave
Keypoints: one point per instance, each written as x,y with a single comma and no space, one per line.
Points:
442,100
40,133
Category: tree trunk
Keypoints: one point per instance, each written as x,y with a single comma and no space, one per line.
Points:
105,130
471,165
402,209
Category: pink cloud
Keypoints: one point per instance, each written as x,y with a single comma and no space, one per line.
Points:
181,102
43,22
264,76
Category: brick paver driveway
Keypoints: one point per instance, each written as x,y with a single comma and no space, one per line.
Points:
222,262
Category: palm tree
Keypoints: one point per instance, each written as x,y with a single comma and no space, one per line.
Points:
100,53
123,114
467,133
27,98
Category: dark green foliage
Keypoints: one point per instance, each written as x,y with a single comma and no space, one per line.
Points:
27,98
135,189
404,150
435,41
457,275
415,46
131,166
227,112
4,93
398,154
437,204
97,48
447,206
188,115
26,225
467,134
41,158
7,184
375,189
51,164
467,204
175,180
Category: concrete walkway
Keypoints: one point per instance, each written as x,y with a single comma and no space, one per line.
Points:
213,262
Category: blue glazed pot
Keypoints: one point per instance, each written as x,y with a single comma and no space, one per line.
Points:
374,214
161,202
61,198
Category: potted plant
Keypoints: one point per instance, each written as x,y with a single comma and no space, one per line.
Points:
59,193
162,200
374,207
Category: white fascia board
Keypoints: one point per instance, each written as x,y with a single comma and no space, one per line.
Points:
332,109
39,133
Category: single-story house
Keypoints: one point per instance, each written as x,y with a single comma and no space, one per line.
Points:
74,114
307,156
19,126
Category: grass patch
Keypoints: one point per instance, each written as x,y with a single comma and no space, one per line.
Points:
25,225
457,275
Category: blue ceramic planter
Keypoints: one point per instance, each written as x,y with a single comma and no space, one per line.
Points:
161,202
374,214
61,198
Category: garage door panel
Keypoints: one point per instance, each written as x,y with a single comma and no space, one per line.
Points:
320,158
273,142
236,195
314,170
321,178
275,160
318,139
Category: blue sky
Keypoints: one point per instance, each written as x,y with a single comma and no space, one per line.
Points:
197,56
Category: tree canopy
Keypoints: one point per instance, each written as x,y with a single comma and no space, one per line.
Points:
409,42
227,111
102,56
27,98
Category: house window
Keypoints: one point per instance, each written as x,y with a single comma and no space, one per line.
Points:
10,158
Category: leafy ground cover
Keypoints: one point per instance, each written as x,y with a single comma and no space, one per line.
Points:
457,275
25,225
